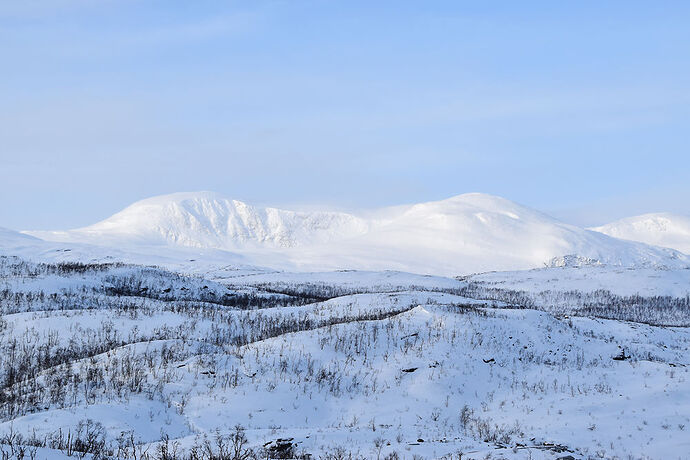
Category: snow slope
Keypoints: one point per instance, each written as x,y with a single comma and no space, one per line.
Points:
660,229
198,261
464,234
617,280
15,239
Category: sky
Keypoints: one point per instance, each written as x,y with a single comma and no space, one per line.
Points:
579,109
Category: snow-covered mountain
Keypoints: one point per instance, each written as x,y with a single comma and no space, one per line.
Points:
483,232
209,220
660,229
463,234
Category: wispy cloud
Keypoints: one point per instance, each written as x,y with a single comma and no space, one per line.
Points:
103,35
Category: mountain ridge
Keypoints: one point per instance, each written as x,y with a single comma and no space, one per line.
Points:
208,219
465,233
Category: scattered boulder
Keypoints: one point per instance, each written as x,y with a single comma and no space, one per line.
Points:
621,357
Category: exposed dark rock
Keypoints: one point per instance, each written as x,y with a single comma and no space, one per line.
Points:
621,357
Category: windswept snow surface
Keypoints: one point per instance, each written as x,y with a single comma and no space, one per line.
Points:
464,234
339,360
660,229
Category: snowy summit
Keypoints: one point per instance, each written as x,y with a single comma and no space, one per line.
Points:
660,229
463,234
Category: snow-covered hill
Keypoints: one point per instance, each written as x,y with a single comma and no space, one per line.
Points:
463,234
128,362
660,229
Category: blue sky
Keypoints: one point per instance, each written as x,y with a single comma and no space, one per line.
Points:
580,109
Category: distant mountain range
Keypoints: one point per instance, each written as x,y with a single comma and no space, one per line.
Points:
463,234
660,229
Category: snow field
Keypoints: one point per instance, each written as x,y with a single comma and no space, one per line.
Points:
426,373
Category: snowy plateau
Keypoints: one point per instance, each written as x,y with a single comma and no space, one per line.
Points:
194,326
